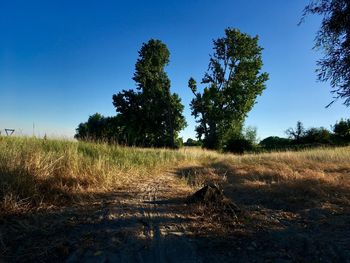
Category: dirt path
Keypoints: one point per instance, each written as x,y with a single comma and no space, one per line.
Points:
151,222
145,228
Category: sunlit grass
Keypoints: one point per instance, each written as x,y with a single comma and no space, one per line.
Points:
36,173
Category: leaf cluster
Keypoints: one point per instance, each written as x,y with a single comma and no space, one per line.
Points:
334,39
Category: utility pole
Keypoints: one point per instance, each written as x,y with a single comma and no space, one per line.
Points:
9,132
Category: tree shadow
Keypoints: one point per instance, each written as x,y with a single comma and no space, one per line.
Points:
119,231
297,219
112,227
267,188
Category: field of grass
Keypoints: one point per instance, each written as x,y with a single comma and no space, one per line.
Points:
295,205
37,173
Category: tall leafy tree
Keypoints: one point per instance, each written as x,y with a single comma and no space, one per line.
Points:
232,83
152,115
334,39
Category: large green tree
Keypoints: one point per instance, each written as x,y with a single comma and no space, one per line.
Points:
152,115
232,83
334,39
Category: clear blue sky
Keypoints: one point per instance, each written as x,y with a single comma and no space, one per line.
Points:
61,60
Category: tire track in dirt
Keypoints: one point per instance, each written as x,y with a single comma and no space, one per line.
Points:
149,227
158,232
150,222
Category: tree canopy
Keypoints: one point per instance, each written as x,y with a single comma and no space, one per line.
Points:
342,129
232,83
152,115
334,39
99,128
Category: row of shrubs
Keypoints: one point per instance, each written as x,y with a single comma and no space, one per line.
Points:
298,138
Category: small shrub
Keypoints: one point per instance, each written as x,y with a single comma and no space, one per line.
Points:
275,142
191,142
239,145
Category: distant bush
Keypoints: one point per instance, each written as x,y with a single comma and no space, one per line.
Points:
318,136
312,137
178,143
245,142
275,142
301,138
191,142
100,128
342,130
250,133
239,145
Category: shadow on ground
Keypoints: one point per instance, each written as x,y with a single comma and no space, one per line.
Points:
117,231
295,221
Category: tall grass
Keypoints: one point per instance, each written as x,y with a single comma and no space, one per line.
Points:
36,173
308,178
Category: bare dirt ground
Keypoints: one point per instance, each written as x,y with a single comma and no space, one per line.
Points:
151,222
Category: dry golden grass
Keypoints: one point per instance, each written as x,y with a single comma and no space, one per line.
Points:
296,180
38,173
288,201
